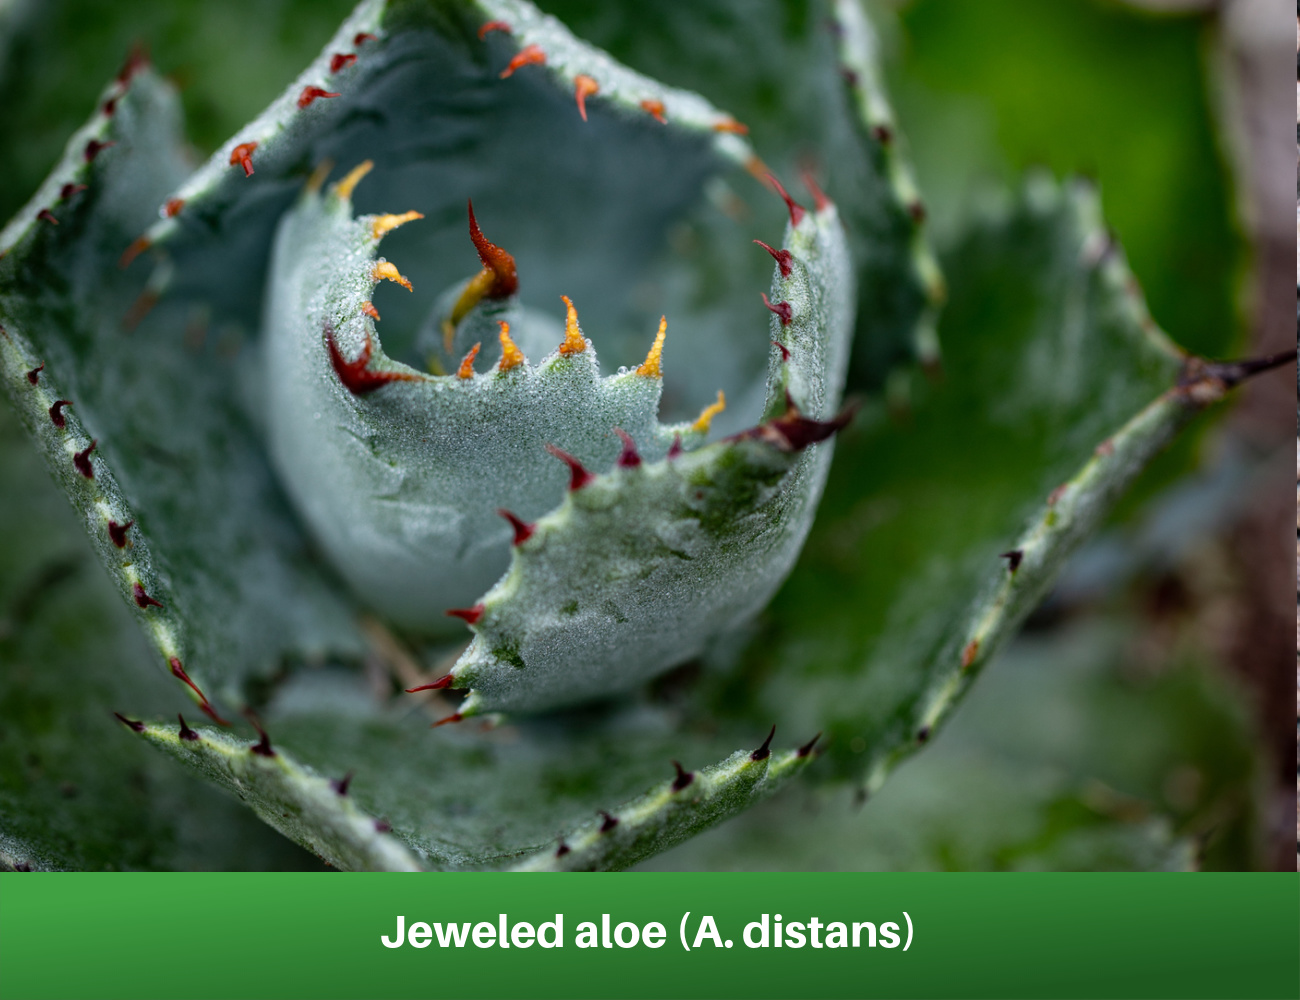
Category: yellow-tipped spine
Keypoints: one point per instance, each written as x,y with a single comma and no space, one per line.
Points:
650,367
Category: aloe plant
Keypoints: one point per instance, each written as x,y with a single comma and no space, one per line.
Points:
584,446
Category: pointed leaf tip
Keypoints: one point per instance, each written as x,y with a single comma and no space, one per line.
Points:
578,474
764,751
796,210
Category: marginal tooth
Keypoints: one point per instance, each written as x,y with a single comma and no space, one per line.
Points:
574,342
467,364
499,279
318,176
730,124
650,367
369,309
382,224
584,87
386,271
705,419
655,109
344,188
511,355
526,56
241,155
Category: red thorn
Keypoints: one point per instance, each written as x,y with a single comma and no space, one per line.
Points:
608,823
455,717
341,60
783,258
56,413
969,654
655,109
523,530
134,726
793,432
110,106
630,458
369,309
82,461
117,532
1013,559
505,277
923,734
917,211
172,207
584,87
488,26
94,147
807,748
340,785
683,778
528,55
356,376
310,94
136,60
263,747
211,713
765,751
142,599
442,682
186,733
796,210
675,448
361,37
562,850
68,190
781,309
469,615
137,247
820,201
48,216
785,351
578,476
242,155
34,375
882,134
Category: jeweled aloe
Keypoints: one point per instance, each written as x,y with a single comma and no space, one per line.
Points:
281,491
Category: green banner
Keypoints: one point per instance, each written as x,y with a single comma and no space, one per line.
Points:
650,935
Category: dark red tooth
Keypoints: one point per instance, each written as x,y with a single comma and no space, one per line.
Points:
341,60
970,653
917,211
492,26
129,723
923,734
562,850
455,717
765,751
523,530
68,190
82,461
796,210
263,747
142,599
785,351
469,615
211,713
56,412
683,778
1013,559
242,156
630,458
94,147
442,682
882,134
578,475
117,532
675,448
361,37
186,732
340,785
608,823
383,826
34,375
110,106
136,60
807,748
781,309
310,94
356,375
48,216
784,258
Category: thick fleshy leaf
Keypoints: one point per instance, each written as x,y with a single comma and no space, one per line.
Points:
76,792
